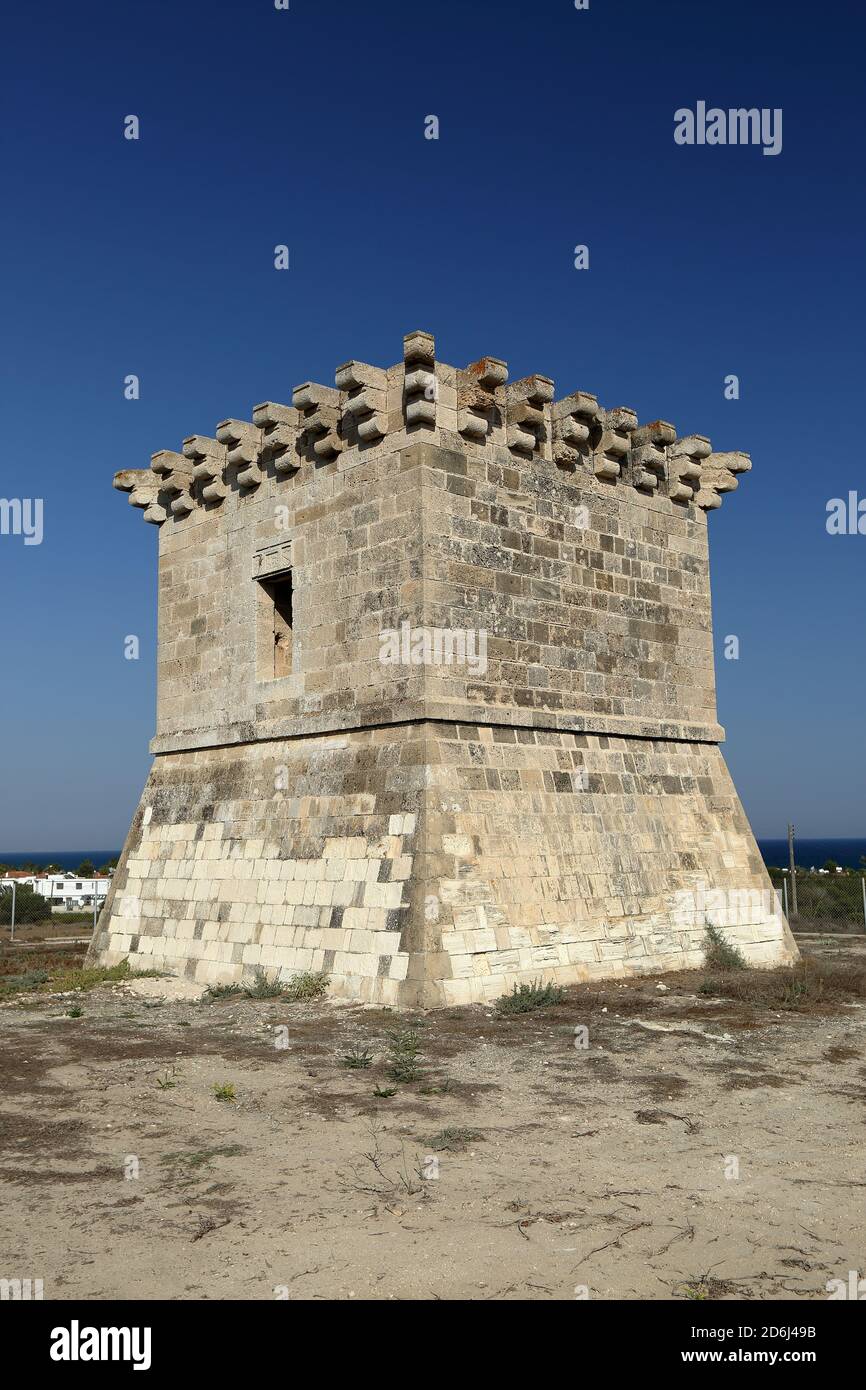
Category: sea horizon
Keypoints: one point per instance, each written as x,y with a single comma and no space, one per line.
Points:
810,851
67,858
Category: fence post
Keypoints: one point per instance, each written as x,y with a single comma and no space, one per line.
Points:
793,867
863,886
785,892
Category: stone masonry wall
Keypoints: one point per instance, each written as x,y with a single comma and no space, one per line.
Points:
440,863
428,831
595,599
286,856
579,856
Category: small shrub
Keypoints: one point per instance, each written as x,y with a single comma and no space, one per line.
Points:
719,953
34,977
166,1082
220,992
263,986
404,1054
309,984
224,1091
385,1092
526,997
75,1012
30,906
356,1060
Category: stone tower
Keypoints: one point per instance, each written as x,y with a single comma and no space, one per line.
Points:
436,702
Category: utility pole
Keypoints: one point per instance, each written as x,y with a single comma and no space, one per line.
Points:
14,890
793,868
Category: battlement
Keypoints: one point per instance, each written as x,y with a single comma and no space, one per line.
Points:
371,410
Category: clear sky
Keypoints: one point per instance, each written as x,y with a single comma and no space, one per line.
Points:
306,127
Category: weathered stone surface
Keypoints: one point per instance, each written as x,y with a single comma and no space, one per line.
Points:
431,831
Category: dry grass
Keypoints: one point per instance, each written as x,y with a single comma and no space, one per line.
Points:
20,961
807,986
53,973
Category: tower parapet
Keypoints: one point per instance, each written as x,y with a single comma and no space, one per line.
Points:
373,408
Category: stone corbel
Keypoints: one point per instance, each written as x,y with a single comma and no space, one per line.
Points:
208,459
243,445
279,435
477,389
612,448
365,398
526,413
419,384
685,458
319,422
176,476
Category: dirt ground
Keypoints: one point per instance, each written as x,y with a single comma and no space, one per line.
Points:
697,1147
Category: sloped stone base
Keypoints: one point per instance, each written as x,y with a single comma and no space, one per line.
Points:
436,863
577,856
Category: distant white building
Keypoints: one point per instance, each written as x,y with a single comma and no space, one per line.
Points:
65,891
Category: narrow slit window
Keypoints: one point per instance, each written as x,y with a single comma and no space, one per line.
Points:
279,591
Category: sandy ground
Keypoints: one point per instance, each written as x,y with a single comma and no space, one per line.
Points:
563,1171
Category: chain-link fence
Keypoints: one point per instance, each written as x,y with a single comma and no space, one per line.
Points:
824,902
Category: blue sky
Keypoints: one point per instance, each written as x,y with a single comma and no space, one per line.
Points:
306,127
